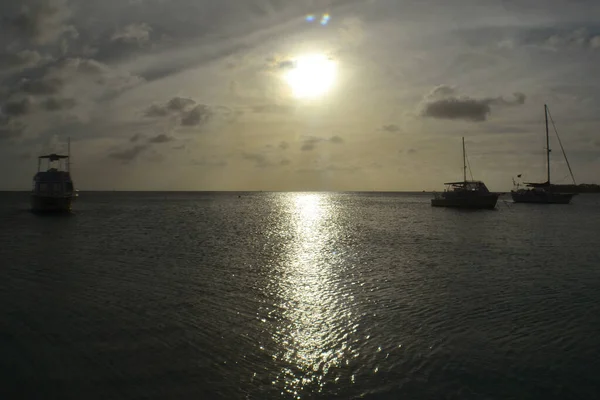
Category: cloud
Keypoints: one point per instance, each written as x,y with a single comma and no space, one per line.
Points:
443,103
136,137
42,21
10,129
284,145
90,78
20,60
392,128
17,108
206,162
128,155
262,161
162,138
310,143
42,86
453,108
273,108
57,104
580,38
328,168
442,91
133,33
196,116
336,139
175,105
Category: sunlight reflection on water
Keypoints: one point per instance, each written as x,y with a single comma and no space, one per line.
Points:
313,337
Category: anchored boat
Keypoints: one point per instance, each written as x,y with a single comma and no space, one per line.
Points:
544,192
53,189
465,194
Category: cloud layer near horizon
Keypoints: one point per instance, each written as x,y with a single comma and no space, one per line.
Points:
189,94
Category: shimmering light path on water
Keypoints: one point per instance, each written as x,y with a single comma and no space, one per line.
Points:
298,295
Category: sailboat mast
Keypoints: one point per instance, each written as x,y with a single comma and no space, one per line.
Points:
464,161
547,144
69,154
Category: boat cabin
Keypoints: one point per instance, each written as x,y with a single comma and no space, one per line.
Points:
56,179
469,186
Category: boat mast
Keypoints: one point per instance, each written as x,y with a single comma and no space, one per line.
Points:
69,154
464,162
547,144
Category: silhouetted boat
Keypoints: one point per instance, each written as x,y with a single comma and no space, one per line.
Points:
544,192
53,189
466,194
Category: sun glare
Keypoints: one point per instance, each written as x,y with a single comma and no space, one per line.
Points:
311,76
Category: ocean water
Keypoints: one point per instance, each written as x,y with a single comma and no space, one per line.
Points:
298,295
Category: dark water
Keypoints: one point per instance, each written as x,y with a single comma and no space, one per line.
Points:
310,295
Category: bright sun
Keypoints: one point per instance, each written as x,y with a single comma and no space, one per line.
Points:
311,76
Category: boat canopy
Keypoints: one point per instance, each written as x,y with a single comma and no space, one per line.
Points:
462,183
534,184
53,157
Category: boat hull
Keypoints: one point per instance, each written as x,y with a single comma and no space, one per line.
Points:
51,204
541,197
485,202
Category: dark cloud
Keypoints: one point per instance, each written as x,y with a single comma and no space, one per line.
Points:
90,78
286,64
175,105
42,86
284,145
179,103
261,160
442,103
336,139
17,107
57,104
454,108
20,60
130,154
392,128
162,138
42,22
308,145
136,137
196,116
10,129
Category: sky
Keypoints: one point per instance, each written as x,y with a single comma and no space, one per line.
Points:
304,95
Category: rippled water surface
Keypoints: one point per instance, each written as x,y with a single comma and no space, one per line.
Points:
298,295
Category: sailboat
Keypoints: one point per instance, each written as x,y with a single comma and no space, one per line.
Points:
53,189
465,194
543,192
